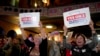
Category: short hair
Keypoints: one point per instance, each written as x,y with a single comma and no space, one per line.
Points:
80,34
11,33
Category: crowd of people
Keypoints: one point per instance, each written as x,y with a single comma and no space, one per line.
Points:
78,46
48,44
11,45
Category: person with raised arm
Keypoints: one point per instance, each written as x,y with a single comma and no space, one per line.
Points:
37,39
44,43
81,48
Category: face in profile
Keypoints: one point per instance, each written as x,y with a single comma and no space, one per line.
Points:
80,40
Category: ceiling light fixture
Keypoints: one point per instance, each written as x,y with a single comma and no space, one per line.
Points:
49,26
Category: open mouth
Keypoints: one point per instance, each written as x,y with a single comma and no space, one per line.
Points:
79,42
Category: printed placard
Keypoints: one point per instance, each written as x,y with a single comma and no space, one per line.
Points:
29,19
78,17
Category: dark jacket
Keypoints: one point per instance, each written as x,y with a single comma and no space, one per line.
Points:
29,44
43,47
12,49
16,50
85,50
2,53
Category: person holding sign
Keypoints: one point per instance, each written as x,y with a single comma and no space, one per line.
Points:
81,48
32,20
39,42
77,17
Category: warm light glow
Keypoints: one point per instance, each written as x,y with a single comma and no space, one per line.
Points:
49,26
57,38
35,4
66,36
48,3
45,1
49,38
18,31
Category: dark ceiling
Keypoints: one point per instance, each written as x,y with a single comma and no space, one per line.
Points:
57,21
53,3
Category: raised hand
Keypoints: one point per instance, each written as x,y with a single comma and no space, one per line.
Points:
43,31
91,25
65,30
40,24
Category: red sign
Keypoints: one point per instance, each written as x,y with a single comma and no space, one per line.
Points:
76,16
24,19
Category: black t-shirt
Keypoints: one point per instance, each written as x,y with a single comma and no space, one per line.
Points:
29,43
1,52
15,50
84,51
43,47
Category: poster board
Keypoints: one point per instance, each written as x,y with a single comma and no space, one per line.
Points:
78,17
29,19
